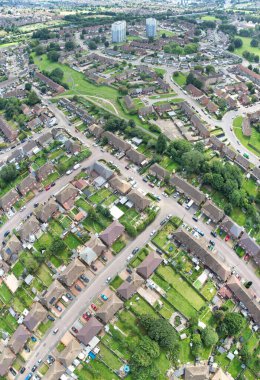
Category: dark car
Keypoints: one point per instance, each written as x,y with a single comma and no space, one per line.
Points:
53,184
36,204
13,372
22,370
27,349
129,270
94,267
78,288
104,258
50,318
135,250
34,368
74,330
195,218
69,296
212,242
58,308
84,278
159,251
6,233
213,233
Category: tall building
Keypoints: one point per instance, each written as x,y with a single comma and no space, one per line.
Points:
118,31
150,27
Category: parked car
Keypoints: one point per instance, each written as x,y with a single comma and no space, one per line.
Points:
47,187
53,184
34,368
104,297
94,307
6,233
36,204
212,242
159,251
129,270
195,218
151,185
227,238
50,359
84,278
13,372
22,370
50,318
33,339
213,233
69,296
153,232
86,317
108,280
74,330
104,258
78,288
94,267
55,331
135,250
58,308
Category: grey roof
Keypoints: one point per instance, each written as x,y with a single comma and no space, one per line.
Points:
184,187
6,360
45,139
45,211
231,228
148,266
55,371
66,194
135,156
72,272
36,315
96,245
96,130
30,227
242,162
18,339
139,200
70,352
9,199
27,184
159,171
91,329
196,372
45,170
256,173
88,255
12,248
130,286
29,146
102,170
112,233
212,211
109,308
117,142
250,246
50,296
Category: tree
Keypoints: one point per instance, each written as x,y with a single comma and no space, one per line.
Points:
32,99
196,345
231,324
163,35
106,43
254,42
210,69
228,208
231,47
192,161
53,56
57,246
238,43
92,45
161,144
28,86
57,73
39,50
209,336
69,45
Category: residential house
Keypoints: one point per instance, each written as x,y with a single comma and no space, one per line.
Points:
120,185
196,372
29,229
8,131
34,123
70,352
117,142
99,169
44,171
67,196
204,100
10,251
242,162
221,375
9,199
96,130
245,296
256,173
4,268
95,248
129,286
72,272
89,331
129,102
139,200
87,255
212,211
52,295
228,153
216,143
18,339
199,248
45,211
27,184
250,74
163,108
30,148
72,147
186,188
35,317
201,128
250,247
57,88
158,172
145,111
148,266
184,106
55,372
45,140
109,308
7,357
231,228
194,91
136,157
16,156
112,233
212,107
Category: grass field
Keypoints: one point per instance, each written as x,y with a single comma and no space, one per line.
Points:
180,79
209,18
254,139
246,46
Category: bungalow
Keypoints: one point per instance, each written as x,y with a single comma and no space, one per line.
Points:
55,372
67,196
250,247
212,211
52,295
45,140
194,91
7,357
45,211
70,352
120,185
72,272
36,316
136,157
231,228
109,308
99,169
117,142
148,266
28,184
139,200
89,331
9,199
129,286
96,130
18,339
29,229
112,233
245,297
199,249
10,251
190,191
158,172
44,171
242,162
145,111
9,132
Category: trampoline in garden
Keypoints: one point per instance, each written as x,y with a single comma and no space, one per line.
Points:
126,368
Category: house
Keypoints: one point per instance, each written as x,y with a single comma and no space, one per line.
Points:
245,296
96,245
99,169
7,357
212,211
250,74
67,196
148,266
212,107
256,173
184,106
16,156
250,247
136,157
158,172
57,88
30,148
87,255
112,233
116,142
231,228
45,140
216,143
196,372
109,308
9,132
72,147
199,248
129,102
120,185
228,153
52,295
29,229
89,331
139,200
242,162
231,103
36,316
129,286
204,100
96,130
145,111
194,91
70,352
201,128
185,188
18,339
27,184
72,272
4,268
10,251
45,211
9,199
55,371
220,375
44,171
34,123
163,108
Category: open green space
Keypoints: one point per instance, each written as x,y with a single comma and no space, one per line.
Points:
100,195
180,79
246,47
72,240
117,281
209,18
250,142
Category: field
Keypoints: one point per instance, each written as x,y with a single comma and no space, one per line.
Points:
248,142
180,79
209,18
246,46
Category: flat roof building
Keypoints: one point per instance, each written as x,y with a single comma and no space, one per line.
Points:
118,30
150,27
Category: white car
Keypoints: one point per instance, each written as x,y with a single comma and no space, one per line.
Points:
152,233
108,280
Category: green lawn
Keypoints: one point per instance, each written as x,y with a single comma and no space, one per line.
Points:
45,326
180,79
55,227
131,216
209,290
100,196
72,241
44,275
209,18
95,370
248,142
5,293
118,245
44,242
83,204
246,46
8,323
18,269
51,178
110,359
139,306
117,281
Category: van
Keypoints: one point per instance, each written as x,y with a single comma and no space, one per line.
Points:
65,299
77,166
188,205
